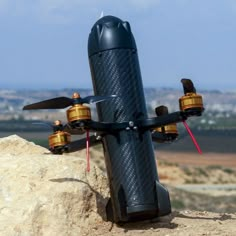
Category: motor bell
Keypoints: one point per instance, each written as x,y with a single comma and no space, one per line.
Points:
170,132
168,129
78,112
191,101
59,139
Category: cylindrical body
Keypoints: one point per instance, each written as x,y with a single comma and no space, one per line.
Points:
168,129
78,112
190,101
170,133
60,138
129,155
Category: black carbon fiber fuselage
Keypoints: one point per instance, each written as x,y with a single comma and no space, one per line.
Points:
129,153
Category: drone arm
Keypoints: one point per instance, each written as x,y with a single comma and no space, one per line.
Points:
158,137
144,124
167,119
81,144
100,126
159,121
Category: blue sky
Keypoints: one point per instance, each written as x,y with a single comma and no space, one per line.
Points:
43,43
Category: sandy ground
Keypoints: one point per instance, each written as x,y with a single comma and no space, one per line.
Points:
201,212
184,223
193,158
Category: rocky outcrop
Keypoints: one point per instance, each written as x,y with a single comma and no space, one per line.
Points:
52,195
45,194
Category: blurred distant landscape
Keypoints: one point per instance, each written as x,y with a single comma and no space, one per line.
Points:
215,130
196,182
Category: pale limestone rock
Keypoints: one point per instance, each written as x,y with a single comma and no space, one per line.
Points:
45,194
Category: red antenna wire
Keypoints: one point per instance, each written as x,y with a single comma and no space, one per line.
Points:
87,150
192,137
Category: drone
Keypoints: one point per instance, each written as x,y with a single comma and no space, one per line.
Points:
123,125
80,120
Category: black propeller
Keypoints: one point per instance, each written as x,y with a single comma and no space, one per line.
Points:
188,86
63,102
58,126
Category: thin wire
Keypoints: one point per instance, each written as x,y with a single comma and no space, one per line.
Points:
192,137
87,151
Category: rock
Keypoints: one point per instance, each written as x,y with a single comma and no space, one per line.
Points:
15,145
48,195
45,194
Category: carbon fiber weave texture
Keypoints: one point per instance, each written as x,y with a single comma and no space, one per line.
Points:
131,156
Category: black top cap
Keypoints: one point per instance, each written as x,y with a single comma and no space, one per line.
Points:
110,32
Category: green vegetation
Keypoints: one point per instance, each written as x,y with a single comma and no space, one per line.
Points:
194,181
201,171
177,204
214,167
187,171
229,171
166,163
41,142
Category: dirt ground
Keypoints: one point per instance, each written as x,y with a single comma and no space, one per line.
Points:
193,213
184,223
191,168
195,159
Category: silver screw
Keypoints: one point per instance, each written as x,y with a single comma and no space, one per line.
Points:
131,123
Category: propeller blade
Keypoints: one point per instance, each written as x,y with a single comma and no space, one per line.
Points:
54,103
96,99
51,126
188,86
161,110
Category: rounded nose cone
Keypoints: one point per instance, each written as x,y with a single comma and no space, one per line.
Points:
108,33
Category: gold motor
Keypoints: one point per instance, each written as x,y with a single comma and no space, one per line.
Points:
170,131
59,139
191,101
78,111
